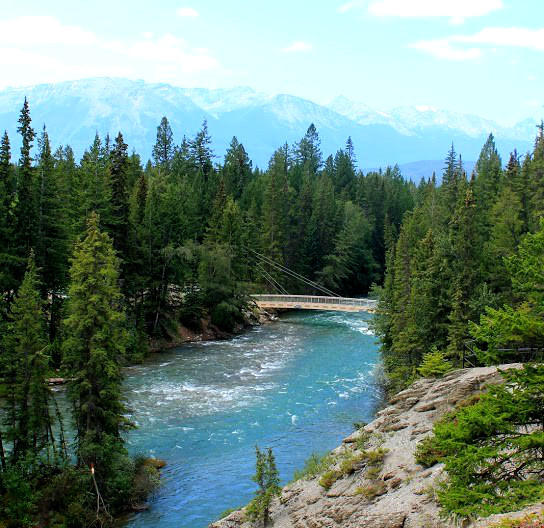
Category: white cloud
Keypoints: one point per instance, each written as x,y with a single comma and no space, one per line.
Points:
298,46
456,10
33,67
187,12
52,52
513,37
168,49
38,30
455,47
434,8
348,6
443,49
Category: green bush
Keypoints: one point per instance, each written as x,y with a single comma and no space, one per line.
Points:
372,490
225,316
434,364
314,466
267,479
329,478
492,449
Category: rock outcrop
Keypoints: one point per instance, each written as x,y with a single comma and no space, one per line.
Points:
373,480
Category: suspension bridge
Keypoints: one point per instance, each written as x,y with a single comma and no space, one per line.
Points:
326,299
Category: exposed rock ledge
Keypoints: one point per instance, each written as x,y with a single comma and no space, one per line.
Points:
402,489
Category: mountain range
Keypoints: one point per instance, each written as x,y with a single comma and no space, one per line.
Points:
417,138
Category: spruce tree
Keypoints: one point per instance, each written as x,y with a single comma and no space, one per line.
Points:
94,190
8,247
200,152
536,180
236,169
93,349
267,479
119,164
26,207
163,150
25,364
51,247
308,151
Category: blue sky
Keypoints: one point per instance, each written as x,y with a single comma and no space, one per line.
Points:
476,56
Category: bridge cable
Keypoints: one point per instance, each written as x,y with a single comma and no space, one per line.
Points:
294,274
299,277
271,280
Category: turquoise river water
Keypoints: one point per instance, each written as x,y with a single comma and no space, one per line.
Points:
296,385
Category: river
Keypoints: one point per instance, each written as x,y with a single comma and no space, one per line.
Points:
296,385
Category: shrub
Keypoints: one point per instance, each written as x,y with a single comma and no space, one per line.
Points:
268,481
434,364
314,465
492,449
329,478
350,464
227,512
371,491
529,521
146,478
373,472
362,440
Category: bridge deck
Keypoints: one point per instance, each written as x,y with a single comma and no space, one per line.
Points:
315,302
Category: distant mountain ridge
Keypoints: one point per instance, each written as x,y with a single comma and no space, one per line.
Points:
74,111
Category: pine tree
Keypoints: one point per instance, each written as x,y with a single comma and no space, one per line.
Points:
51,247
350,151
25,366
236,169
93,348
465,252
344,175
308,151
200,151
536,180
163,150
94,190
267,479
119,164
8,223
451,180
26,207
275,208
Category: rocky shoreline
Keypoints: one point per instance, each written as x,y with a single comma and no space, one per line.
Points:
373,479
209,332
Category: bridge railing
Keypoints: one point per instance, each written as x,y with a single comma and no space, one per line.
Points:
315,299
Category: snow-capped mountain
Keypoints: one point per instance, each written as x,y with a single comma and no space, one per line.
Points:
74,111
411,120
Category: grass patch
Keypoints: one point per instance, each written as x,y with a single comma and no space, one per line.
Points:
329,478
352,463
370,491
314,466
227,512
533,520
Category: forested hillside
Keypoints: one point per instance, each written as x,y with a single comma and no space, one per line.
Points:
465,274
100,254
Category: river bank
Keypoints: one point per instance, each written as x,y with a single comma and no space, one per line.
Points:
373,479
208,332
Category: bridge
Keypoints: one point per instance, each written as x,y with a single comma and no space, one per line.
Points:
329,301
314,302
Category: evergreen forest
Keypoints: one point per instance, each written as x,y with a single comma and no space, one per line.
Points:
103,257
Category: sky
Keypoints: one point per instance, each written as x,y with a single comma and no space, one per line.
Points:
484,57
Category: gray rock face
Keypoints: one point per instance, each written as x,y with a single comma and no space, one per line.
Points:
395,492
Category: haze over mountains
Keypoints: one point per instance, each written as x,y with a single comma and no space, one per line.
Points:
417,138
